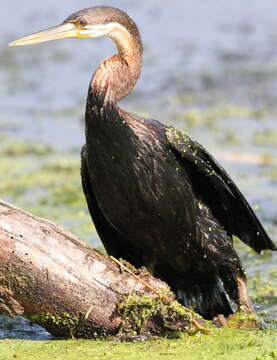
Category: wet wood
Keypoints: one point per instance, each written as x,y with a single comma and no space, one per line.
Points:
51,277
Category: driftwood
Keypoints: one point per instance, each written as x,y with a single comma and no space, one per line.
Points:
59,282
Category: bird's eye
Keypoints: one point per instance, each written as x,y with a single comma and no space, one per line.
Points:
82,23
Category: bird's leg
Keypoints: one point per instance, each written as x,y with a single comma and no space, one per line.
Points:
245,303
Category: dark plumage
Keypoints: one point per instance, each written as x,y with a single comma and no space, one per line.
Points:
158,198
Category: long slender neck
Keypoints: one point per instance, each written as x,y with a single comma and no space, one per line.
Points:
117,75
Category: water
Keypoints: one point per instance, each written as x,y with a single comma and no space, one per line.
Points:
209,67
21,328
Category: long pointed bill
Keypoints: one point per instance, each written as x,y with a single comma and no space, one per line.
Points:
65,30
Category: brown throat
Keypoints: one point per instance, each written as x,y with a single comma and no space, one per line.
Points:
117,75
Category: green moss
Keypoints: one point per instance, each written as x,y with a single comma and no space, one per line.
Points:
138,313
63,321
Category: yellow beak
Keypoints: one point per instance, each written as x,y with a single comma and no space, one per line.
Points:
65,30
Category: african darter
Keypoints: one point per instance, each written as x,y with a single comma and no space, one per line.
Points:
157,198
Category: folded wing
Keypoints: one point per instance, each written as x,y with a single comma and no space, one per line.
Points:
214,186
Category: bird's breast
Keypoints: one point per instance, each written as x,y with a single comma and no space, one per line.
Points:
137,181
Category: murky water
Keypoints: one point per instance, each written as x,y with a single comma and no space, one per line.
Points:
210,67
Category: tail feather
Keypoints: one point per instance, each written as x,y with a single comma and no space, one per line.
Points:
208,298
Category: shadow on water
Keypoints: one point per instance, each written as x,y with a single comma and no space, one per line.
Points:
20,328
209,68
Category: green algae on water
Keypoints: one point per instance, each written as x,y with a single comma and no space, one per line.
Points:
224,344
45,183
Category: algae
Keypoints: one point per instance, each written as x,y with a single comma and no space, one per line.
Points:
225,344
243,320
194,117
15,148
139,312
65,321
267,136
45,183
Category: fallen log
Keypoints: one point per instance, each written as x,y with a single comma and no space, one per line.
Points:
51,277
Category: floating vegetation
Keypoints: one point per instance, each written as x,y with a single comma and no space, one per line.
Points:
230,137
194,117
18,148
266,137
48,184
225,344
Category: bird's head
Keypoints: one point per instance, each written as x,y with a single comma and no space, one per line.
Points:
89,23
117,80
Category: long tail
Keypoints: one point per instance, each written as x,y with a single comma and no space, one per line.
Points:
207,297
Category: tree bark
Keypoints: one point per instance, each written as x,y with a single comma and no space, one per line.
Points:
51,277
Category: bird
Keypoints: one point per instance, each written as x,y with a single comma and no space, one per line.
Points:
157,198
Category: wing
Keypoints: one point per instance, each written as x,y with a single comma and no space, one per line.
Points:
114,243
214,186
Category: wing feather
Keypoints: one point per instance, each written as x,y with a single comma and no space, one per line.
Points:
212,183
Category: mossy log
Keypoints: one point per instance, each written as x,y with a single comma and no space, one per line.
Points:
51,277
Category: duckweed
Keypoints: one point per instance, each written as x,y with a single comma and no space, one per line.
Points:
224,344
